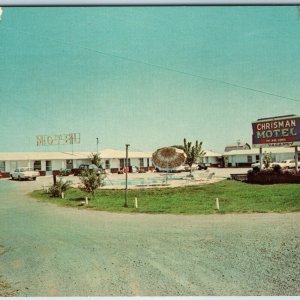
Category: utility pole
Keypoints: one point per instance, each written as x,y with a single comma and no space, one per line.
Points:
126,174
97,144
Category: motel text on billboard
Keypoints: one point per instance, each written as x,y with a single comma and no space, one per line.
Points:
58,139
276,131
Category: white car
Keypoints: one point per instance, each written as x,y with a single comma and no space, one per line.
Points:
24,173
257,165
188,168
286,164
171,170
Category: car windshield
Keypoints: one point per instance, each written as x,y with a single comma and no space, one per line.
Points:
26,169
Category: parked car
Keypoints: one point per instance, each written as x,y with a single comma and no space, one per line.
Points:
25,173
194,167
202,166
171,170
82,167
257,165
286,164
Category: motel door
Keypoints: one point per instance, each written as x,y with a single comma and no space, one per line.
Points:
69,164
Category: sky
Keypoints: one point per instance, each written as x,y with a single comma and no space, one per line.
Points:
145,76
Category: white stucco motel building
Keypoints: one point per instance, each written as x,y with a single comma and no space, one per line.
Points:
112,160
244,158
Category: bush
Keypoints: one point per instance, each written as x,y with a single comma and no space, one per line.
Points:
65,172
256,169
272,176
277,168
90,181
60,187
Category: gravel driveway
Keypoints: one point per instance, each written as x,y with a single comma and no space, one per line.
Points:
46,250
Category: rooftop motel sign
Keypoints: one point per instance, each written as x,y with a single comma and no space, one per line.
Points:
276,132
58,139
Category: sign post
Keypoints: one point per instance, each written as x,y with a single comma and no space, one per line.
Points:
260,158
296,159
126,176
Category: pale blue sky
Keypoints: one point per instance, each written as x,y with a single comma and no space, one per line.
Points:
137,74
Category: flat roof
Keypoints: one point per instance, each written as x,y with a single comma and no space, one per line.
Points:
274,150
104,154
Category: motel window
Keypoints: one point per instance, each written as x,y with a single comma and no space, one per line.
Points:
37,165
48,165
148,162
249,159
123,161
107,164
257,158
69,164
141,162
2,166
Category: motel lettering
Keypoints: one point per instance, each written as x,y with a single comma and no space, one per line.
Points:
277,133
58,139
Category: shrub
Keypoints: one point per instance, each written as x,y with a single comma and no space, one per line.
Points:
60,187
277,168
270,176
256,169
267,159
65,172
90,181
95,159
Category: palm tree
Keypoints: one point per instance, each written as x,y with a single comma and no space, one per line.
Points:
193,153
95,159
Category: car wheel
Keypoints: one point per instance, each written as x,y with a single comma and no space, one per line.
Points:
34,178
12,177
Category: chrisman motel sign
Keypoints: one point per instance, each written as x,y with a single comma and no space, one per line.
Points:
276,131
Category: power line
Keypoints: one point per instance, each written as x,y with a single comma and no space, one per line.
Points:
155,65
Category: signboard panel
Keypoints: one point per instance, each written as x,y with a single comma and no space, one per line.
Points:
276,132
58,139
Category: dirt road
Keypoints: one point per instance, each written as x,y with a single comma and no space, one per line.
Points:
47,250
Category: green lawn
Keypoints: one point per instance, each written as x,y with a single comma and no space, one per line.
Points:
234,196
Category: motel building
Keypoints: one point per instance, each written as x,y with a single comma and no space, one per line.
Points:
244,158
211,158
112,160
47,162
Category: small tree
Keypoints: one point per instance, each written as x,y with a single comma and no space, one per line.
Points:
193,153
267,159
60,187
95,159
91,181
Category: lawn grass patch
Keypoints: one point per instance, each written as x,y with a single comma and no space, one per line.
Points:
234,196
